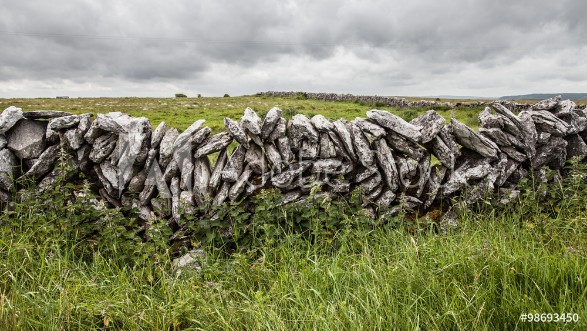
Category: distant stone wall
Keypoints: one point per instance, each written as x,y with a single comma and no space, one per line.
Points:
397,101
418,164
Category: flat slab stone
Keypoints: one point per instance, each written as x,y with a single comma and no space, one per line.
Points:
27,138
45,114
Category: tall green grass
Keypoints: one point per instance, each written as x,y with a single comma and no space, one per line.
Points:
500,262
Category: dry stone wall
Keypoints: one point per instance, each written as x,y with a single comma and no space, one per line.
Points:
417,164
398,102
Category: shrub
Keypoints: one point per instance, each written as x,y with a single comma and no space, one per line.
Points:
226,95
180,95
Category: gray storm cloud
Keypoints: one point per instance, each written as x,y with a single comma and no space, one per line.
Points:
415,47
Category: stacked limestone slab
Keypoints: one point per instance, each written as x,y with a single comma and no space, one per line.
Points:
420,163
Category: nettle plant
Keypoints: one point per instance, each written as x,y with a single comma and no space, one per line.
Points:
264,219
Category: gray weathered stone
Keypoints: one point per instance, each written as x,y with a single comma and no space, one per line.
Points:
93,133
471,169
308,150
321,123
338,185
345,138
385,199
576,122
213,144
234,167
547,122
222,194
273,157
283,179
44,114
575,146
270,122
386,163
326,166
251,122
364,152
472,140
197,138
9,117
137,183
9,169
216,175
501,138
514,154
115,122
370,128
565,106
327,148
430,123
255,159
300,127
45,162
166,146
239,186
406,147
371,183
435,179
102,147
284,148
3,142
364,173
236,132
110,173
158,134
548,104
202,174
64,122
396,124
279,131
529,133
27,138
74,138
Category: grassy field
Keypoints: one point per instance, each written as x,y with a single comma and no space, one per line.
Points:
499,263
181,112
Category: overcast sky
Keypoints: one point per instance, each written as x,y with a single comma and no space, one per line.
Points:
212,47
